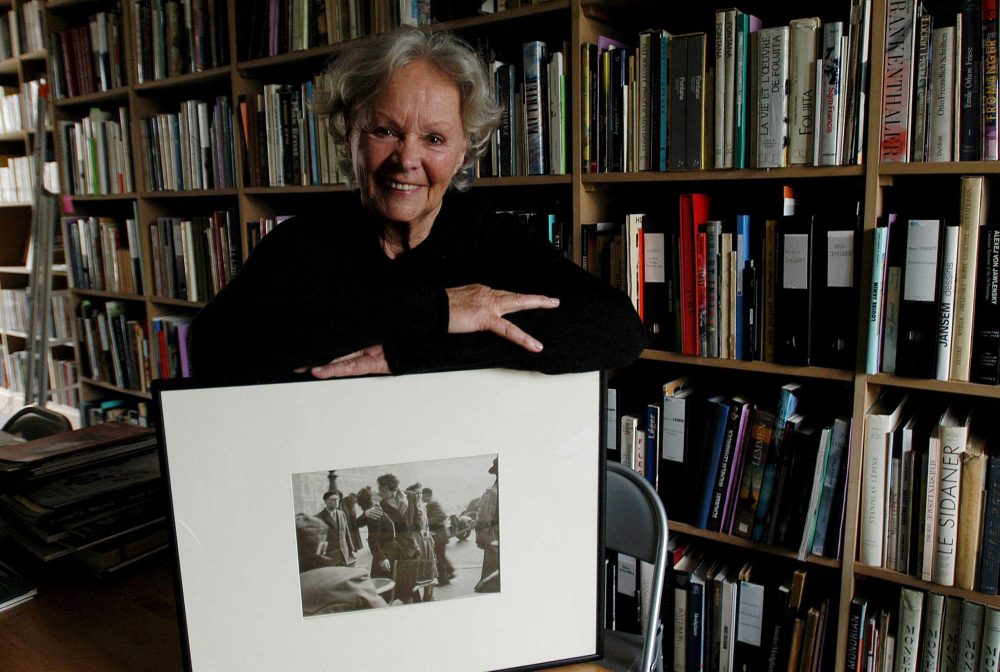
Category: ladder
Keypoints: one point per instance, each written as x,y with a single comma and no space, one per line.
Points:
44,215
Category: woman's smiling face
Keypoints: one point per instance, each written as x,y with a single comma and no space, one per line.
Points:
411,148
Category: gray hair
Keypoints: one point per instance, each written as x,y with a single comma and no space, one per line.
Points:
359,74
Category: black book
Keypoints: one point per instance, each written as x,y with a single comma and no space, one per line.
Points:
793,291
834,276
506,84
988,567
986,327
657,281
694,122
616,137
971,72
676,150
791,510
916,343
14,588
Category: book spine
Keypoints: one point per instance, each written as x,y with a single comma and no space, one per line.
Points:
951,635
802,89
989,552
971,635
940,141
973,215
949,483
534,57
772,98
695,122
930,637
897,81
991,74
678,105
946,303
970,145
832,55
720,45
986,335
911,603
990,651
921,82
970,513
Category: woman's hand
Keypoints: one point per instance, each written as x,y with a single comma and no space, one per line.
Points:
370,360
474,308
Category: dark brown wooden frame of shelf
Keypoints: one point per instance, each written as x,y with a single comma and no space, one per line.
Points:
750,366
739,542
899,578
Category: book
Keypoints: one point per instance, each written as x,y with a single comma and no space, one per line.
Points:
761,428
971,505
534,57
803,104
15,589
717,415
679,91
793,291
788,401
989,552
946,301
950,645
911,604
831,95
831,499
973,214
971,634
880,421
733,443
873,358
990,651
695,123
746,25
941,99
923,51
916,346
954,432
930,637
969,81
772,97
897,81
834,280
676,427
985,367
857,616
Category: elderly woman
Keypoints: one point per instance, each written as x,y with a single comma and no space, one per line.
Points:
410,277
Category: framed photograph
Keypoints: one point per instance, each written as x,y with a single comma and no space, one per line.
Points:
446,522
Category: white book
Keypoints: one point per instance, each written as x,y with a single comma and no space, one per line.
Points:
941,133
673,419
971,637
727,624
906,496
930,638
897,81
772,98
911,606
931,503
845,64
877,300
802,103
989,657
629,427
954,433
946,302
557,114
892,506
830,94
974,206
880,420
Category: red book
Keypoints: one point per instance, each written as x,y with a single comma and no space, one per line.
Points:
693,211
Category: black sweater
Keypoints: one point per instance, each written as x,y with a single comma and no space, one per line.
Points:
319,287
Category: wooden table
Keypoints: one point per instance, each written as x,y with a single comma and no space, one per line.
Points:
127,623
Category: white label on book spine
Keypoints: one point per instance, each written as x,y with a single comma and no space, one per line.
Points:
672,426
921,260
795,264
626,574
654,260
751,613
840,259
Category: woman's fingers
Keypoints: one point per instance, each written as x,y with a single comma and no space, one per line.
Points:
364,362
481,308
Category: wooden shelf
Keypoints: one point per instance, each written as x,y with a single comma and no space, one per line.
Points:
188,193
114,388
739,542
594,180
178,303
523,181
297,189
505,16
750,366
114,96
112,296
96,198
14,136
169,84
942,168
913,582
939,386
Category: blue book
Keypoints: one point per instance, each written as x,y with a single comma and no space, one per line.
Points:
877,300
788,401
742,257
716,416
535,54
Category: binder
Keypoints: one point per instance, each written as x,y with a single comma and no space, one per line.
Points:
793,291
916,346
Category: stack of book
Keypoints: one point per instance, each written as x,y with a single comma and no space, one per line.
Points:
772,472
14,588
176,38
94,494
104,254
97,154
88,58
194,257
933,297
116,345
931,498
738,287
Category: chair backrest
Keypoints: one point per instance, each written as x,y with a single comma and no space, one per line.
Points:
636,525
35,422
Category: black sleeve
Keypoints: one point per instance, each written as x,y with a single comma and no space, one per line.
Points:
304,298
594,327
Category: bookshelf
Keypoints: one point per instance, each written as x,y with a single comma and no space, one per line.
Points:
581,197
22,65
